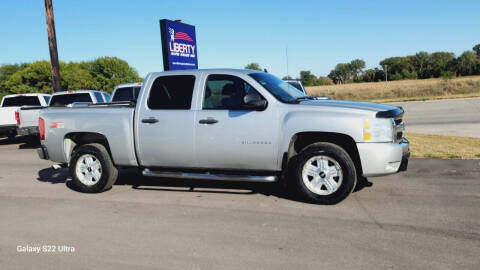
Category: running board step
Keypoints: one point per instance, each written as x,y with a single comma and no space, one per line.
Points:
208,176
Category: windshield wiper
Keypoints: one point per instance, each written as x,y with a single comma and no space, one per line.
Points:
297,100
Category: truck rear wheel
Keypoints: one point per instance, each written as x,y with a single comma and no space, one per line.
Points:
324,173
92,169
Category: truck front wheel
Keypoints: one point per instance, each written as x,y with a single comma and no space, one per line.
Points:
92,169
324,173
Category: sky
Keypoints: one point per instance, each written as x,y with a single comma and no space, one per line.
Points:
230,34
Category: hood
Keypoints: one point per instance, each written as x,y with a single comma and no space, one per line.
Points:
382,110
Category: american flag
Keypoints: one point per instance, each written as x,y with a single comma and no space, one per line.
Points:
183,36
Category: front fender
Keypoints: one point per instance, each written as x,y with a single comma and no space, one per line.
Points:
346,123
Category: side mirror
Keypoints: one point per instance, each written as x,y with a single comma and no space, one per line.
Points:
254,101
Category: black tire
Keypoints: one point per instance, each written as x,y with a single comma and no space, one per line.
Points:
109,172
334,152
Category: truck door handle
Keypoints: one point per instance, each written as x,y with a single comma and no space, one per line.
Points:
150,120
208,121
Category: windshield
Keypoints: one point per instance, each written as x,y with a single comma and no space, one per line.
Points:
280,89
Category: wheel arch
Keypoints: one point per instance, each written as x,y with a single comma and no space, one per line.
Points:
301,140
74,140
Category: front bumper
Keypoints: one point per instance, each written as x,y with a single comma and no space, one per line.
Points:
384,158
42,152
27,131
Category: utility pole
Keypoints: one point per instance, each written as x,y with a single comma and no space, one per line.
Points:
386,73
52,44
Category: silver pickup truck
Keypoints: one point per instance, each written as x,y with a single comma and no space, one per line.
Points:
225,124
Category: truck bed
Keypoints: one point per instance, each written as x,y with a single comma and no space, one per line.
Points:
7,116
29,116
111,120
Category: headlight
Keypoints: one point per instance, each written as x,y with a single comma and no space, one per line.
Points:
378,130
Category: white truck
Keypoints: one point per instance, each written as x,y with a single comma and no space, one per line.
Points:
226,124
126,92
27,116
297,83
9,106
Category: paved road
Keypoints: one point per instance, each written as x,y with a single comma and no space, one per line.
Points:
427,218
458,117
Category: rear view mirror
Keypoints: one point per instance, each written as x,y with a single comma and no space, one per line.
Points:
254,101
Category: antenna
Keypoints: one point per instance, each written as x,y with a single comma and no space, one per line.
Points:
286,54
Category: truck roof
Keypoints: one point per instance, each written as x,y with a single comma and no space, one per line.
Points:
26,94
213,70
75,92
128,85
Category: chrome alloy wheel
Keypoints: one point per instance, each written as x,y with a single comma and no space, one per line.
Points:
88,169
322,175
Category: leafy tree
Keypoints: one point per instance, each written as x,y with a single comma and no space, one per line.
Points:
8,70
77,76
369,75
288,77
398,68
308,79
341,73
476,49
36,77
466,64
253,66
102,74
356,67
323,81
420,63
111,71
440,61
346,72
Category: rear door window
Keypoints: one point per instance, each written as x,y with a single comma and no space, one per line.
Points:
19,101
67,99
106,97
99,97
137,91
172,93
47,99
123,94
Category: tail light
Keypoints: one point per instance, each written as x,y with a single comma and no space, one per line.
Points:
41,128
17,117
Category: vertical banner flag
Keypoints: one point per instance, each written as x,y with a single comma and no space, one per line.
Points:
179,45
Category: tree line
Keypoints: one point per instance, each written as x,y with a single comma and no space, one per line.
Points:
422,65
103,73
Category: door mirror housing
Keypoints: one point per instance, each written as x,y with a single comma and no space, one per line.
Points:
254,101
